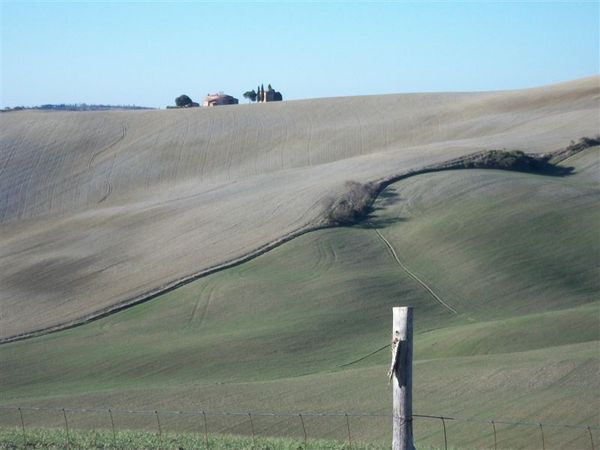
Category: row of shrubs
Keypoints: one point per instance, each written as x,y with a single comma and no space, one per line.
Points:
356,202
507,160
575,147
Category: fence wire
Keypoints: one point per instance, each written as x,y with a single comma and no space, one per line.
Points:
338,426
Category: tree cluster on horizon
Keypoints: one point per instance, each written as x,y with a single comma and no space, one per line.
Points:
184,101
260,95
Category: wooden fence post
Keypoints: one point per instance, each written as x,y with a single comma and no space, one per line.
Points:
401,378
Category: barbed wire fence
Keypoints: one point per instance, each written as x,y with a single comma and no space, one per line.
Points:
350,428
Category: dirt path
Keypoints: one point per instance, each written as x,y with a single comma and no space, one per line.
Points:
413,276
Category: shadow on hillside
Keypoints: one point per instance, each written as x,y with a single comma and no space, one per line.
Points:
516,161
547,169
377,223
387,198
554,171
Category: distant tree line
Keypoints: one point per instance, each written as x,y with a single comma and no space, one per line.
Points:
74,107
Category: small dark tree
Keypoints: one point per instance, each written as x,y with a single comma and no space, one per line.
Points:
269,88
250,95
183,100
277,97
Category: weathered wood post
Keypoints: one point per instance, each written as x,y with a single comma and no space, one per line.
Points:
401,378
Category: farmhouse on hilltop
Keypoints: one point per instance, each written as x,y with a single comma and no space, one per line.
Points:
219,99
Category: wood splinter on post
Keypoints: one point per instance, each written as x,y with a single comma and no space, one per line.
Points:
395,342
400,374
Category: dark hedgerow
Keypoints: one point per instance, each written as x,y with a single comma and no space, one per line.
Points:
516,160
356,202
506,160
575,147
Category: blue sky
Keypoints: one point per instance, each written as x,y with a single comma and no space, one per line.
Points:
147,53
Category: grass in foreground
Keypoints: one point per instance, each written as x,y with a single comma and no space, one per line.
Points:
52,438
55,438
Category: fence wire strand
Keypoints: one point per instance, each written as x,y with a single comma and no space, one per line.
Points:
165,412
250,415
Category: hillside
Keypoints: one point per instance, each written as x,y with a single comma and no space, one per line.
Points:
99,208
512,256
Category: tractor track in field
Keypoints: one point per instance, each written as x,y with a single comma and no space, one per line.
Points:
107,191
109,146
107,184
199,312
380,185
413,275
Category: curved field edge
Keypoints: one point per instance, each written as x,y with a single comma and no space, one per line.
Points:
162,289
478,160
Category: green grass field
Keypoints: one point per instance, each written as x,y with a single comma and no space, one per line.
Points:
513,256
137,440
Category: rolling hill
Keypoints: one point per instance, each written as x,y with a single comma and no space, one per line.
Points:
501,267
100,208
